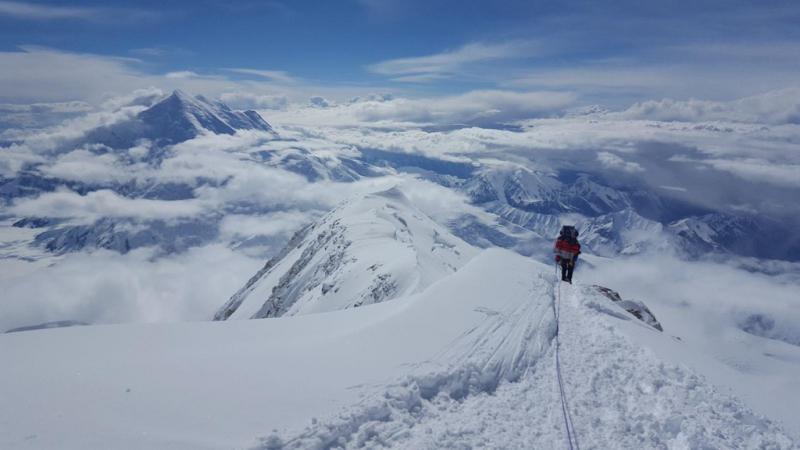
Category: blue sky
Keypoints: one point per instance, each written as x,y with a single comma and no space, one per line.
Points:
611,52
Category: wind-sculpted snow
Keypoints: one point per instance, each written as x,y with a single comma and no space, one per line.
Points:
503,347
494,386
466,363
367,251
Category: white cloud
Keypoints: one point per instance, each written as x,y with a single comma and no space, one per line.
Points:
754,169
83,165
107,287
52,138
664,72
139,97
440,65
421,78
774,107
595,78
14,158
50,75
471,107
272,224
42,74
673,188
150,51
181,74
33,11
273,75
46,108
759,157
742,51
38,115
612,161
64,203
246,100
26,10
752,151
319,102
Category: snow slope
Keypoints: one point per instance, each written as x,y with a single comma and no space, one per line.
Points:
468,362
368,250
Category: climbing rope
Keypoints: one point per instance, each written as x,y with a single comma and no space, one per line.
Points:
572,437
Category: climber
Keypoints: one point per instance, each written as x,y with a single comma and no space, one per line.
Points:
567,250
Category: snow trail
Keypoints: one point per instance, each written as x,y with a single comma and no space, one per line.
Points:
568,426
501,384
503,348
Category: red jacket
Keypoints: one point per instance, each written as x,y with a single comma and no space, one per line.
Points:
565,249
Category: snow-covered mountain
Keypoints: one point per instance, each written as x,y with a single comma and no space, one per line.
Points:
158,131
124,235
536,201
525,206
177,118
743,235
544,193
341,168
612,220
368,250
622,233
496,354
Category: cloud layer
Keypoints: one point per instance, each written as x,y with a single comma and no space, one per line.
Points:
452,63
737,155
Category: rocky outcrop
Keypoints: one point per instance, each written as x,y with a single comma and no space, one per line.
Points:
634,307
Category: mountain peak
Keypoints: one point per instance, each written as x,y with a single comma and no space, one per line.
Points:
181,95
180,117
176,118
369,250
178,99
393,193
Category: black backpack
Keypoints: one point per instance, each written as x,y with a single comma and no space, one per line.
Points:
569,232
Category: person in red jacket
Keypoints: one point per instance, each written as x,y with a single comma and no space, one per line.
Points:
567,250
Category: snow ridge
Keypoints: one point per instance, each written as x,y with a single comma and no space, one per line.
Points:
467,362
502,348
366,251
572,436
494,386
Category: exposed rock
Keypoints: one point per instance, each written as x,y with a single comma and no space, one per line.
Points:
634,307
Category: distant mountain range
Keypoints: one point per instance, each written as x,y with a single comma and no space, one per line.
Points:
524,207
